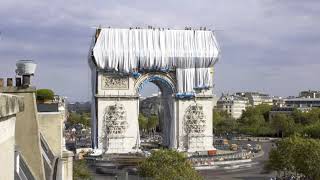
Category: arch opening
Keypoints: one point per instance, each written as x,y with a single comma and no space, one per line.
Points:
161,105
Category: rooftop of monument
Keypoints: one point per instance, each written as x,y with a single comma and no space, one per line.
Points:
153,48
190,53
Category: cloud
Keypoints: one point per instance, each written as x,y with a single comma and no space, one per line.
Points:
264,43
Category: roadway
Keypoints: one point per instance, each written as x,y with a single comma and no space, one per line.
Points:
252,171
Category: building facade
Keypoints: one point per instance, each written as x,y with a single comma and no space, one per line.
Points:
302,103
256,98
234,105
9,107
51,127
309,94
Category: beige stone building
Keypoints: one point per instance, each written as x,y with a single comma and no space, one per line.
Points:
9,107
33,142
256,98
51,127
232,104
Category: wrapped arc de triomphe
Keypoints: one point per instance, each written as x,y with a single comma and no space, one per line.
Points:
179,62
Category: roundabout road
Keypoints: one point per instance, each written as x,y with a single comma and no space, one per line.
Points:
252,171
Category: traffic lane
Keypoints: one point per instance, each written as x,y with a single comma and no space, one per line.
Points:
254,172
251,173
266,147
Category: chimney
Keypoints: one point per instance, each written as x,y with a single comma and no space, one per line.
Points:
9,82
26,80
1,82
18,81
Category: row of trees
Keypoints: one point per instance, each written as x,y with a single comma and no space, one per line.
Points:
255,121
148,124
79,118
296,156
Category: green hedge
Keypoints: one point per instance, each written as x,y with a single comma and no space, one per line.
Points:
45,94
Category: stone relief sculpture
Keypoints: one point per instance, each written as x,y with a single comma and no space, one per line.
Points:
115,82
194,120
115,121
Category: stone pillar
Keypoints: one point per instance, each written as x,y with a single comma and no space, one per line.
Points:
194,119
117,113
66,167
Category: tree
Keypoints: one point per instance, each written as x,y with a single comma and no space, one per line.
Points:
306,158
281,158
276,161
296,155
282,124
262,109
167,165
81,170
153,122
226,126
85,119
216,119
75,118
306,118
313,116
44,94
222,122
143,122
299,116
255,120
312,130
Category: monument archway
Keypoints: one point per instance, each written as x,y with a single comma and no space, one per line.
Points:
179,62
167,121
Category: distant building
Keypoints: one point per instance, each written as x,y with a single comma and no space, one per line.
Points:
256,98
214,101
233,104
305,102
278,102
79,107
309,94
280,110
302,103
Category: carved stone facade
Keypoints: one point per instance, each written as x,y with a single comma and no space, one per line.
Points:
115,120
115,82
194,120
185,123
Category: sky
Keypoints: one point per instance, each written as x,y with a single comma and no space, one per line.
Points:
272,46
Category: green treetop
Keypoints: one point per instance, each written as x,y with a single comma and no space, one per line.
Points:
168,165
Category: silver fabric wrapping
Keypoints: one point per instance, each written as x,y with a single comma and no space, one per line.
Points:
190,52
